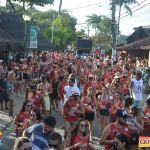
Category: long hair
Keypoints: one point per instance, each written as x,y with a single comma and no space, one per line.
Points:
38,114
19,142
24,105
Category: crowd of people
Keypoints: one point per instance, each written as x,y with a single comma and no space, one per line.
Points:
80,89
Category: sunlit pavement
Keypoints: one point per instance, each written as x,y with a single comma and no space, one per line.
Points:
8,128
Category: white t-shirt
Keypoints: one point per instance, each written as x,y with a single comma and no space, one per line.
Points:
69,90
137,89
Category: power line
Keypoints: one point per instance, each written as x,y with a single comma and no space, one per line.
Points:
135,6
87,6
136,10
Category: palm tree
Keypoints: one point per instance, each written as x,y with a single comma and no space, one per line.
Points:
11,5
60,5
125,4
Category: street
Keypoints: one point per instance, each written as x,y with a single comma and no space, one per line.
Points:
8,128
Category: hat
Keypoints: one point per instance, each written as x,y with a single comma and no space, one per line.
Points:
1,60
117,75
90,76
121,113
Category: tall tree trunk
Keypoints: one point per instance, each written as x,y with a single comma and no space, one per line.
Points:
11,5
118,27
60,4
24,5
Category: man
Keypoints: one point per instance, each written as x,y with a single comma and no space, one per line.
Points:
40,134
136,90
70,88
112,129
55,142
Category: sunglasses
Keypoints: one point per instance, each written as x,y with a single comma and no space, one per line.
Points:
83,125
32,115
29,105
53,146
28,148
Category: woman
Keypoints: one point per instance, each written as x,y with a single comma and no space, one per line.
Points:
79,137
104,102
22,143
135,128
118,103
121,142
35,117
89,105
22,117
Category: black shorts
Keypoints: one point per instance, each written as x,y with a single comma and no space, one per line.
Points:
25,76
104,112
89,116
134,139
4,96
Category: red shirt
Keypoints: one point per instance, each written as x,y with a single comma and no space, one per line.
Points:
78,139
115,130
70,111
35,99
88,106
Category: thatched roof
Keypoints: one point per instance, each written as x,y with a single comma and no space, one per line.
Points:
142,44
12,33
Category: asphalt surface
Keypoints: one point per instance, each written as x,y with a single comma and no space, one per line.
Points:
8,128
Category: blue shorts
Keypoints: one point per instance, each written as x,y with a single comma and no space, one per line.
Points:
138,104
104,112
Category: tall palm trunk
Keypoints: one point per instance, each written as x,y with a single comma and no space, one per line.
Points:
60,5
118,26
23,5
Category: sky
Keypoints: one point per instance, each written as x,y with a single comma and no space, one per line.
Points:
82,8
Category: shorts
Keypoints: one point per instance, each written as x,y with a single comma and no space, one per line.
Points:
89,116
104,112
137,104
134,139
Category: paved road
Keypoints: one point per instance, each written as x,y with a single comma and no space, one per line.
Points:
8,127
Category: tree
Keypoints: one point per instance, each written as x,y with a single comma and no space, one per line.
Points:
94,20
125,4
81,33
64,31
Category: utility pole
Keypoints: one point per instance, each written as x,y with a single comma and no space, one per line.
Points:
113,30
52,35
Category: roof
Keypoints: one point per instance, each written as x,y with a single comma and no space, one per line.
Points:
138,34
142,44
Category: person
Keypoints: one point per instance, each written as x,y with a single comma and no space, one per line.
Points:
135,127
22,143
3,92
146,119
136,90
35,97
121,142
35,117
22,117
71,111
70,88
79,138
55,142
89,104
40,134
119,126
104,102
46,89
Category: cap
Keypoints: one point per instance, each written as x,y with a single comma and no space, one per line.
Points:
90,76
121,113
148,101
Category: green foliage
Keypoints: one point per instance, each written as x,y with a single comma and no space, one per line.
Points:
64,31
102,24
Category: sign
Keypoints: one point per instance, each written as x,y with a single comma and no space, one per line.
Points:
144,141
33,37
